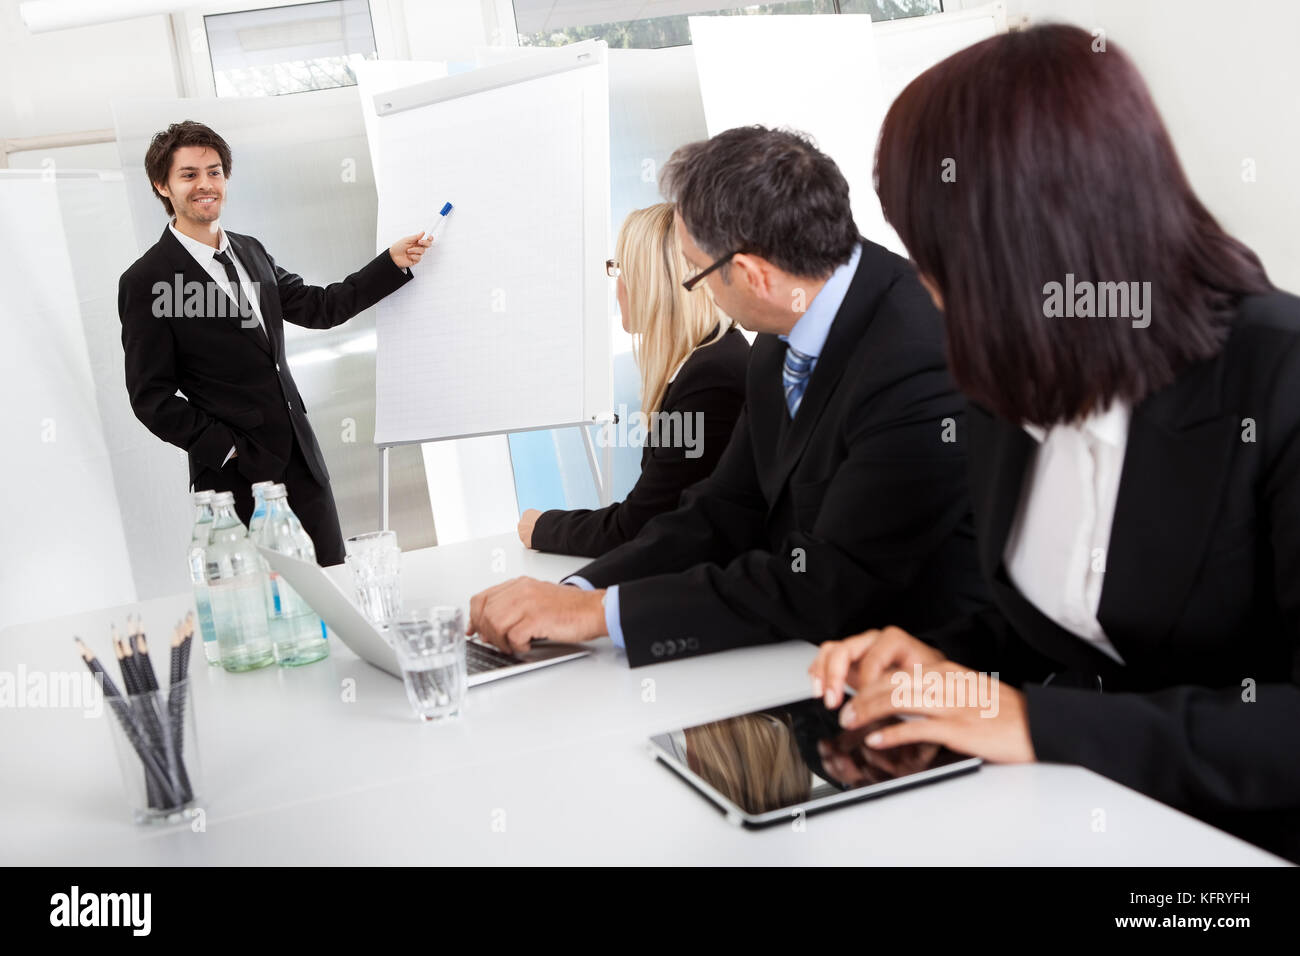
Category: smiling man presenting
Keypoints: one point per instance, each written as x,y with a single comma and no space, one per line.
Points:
203,312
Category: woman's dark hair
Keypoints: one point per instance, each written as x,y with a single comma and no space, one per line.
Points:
1029,158
158,158
768,192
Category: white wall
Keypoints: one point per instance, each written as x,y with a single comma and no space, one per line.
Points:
65,82
62,81
1226,77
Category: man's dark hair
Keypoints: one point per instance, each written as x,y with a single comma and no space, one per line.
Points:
158,158
1024,159
767,192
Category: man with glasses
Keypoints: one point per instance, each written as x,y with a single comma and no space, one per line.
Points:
840,503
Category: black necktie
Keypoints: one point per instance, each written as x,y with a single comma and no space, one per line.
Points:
236,290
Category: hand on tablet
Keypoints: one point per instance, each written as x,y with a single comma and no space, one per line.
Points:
863,658
970,712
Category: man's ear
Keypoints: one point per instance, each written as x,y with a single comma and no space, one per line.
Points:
753,272
162,189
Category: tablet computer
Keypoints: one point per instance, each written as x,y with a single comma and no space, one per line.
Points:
776,764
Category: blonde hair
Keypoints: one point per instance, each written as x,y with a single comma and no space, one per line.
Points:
666,321
753,759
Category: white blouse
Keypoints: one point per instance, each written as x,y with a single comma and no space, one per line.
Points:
1056,551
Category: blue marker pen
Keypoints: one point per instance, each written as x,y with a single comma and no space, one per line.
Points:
438,226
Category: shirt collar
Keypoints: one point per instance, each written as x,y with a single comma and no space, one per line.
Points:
810,332
199,250
1110,426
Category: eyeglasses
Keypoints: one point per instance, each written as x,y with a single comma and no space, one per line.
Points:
690,284
612,268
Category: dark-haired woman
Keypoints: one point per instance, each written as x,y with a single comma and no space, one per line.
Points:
1134,443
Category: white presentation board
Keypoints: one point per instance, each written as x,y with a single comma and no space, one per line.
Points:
505,327
830,76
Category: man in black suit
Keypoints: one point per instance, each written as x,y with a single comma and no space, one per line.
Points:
203,312
841,497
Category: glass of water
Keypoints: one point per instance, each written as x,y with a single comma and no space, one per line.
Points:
430,646
375,562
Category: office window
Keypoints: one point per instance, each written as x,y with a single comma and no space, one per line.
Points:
651,24
307,46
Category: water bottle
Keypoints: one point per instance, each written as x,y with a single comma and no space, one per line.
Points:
297,632
198,573
236,587
259,508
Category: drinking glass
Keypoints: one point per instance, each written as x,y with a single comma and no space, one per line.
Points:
430,646
376,563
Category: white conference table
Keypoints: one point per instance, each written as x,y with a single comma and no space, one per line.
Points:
326,764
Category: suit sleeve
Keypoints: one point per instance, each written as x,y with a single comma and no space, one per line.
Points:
1228,748
317,307
986,641
666,474
717,518
896,497
151,380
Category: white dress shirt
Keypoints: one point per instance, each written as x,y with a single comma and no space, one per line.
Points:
204,255
1056,551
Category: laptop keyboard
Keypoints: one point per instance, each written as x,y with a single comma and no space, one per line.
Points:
481,657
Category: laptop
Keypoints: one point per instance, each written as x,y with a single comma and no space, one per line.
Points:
483,662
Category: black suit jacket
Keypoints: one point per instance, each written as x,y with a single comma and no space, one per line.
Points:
710,383
236,381
1201,596
853,515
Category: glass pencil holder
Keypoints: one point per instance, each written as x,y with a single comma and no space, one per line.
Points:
156,742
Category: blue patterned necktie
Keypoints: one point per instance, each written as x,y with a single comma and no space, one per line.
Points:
794,376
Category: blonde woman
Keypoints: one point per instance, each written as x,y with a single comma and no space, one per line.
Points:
692,361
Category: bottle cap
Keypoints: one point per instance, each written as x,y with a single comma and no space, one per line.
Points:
203,497
220,498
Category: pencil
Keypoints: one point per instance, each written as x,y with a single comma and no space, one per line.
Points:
178,641
175,734
155,777
124,662
186,647
148,679
141,702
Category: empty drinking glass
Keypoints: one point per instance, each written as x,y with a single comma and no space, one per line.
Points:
376,563
430,646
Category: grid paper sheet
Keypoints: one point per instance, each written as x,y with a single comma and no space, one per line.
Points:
492,335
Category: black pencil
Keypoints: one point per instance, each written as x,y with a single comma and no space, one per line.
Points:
155,776
106,683
176,709
141,702
125,664
178,642
175,736
148,679
187,646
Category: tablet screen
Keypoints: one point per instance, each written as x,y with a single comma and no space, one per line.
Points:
794,754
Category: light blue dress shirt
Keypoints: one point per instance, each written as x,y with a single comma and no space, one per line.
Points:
809,337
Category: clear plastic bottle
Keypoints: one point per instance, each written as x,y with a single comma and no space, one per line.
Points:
297,632
237,589
199,538
259,508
